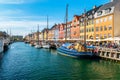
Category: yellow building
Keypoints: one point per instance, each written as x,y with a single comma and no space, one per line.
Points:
107,21
87,20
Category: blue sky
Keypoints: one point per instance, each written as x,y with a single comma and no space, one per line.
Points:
22,16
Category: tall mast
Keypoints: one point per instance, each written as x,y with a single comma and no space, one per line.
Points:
38,34
85,27
47,29
66,21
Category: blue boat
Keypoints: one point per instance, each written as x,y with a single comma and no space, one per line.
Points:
64,50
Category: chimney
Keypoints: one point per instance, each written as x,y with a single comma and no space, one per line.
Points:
94,6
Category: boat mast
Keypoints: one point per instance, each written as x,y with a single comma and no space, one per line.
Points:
85,27
47,29
38,34
66,21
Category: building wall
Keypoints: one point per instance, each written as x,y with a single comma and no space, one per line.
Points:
61,32
56,34
104,27
75,28
117,19
90,30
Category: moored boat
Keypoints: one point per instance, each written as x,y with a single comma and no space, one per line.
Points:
38,46
80,52
1,45
46,45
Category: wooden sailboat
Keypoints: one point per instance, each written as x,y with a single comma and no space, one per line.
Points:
76,50
38,45
45,44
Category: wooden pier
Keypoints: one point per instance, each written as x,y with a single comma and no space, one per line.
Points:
109,54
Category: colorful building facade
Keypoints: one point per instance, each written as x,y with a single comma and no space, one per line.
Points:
61,32
107,20
75,28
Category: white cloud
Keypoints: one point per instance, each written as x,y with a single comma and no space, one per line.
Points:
23,27
11,12
12,1
18,1
21,23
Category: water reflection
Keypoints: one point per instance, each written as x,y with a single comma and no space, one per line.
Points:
28,63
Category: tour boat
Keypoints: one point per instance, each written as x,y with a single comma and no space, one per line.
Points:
65,50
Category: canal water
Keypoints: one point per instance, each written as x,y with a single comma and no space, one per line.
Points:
23,62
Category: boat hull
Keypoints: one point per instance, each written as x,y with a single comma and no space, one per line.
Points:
74,54
38,46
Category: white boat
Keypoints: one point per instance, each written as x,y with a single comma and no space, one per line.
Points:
38,46
1,45
46,46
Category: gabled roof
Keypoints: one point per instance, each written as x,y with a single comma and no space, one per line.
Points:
108,5
91,11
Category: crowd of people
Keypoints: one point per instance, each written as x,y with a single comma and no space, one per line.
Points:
108,45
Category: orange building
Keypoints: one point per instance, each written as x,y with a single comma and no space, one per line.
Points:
75,28
61,32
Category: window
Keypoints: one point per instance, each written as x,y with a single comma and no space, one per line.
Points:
105,36
101,36
97,21
81,19
99,13
92,29
105,28
110,18
81,31
107,10
110,27
101,28
74,23
97,35
92,22
101,20
105,19
97,29
74,26
74,32
89,29
109,35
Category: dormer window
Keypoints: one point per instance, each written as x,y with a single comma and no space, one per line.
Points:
81,19
88,13
90,17
107,10
99,13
